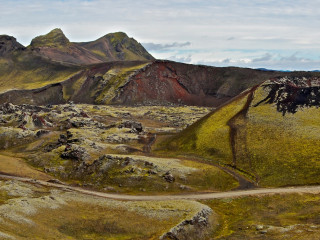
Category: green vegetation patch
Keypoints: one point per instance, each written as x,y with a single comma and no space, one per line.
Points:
55,38
4,197
139,174
274,149
83,221
115,79
283,150
30,72
290,216
210,136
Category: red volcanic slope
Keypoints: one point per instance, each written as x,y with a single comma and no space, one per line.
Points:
158,83
162,83
165,82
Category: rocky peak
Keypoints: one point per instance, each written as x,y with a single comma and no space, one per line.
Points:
116,36
9,44
117,40
55,38
120,41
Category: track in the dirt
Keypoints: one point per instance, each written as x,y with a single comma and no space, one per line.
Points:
190,196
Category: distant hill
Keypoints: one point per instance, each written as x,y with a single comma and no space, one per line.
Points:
41,81
117,46
271,132
172,82
111,47
52,58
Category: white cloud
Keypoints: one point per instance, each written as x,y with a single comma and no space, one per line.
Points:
266,57
167,46
183,59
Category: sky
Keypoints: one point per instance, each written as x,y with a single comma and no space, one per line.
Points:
281,34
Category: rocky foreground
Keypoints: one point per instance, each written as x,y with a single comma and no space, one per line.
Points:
103,148
107,148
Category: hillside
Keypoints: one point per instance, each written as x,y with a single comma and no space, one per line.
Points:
126,82
164,82
52,58
269,132
55,83
19,69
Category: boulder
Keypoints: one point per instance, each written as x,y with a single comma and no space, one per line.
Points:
42,132
62,139
169,177
8,108
75,152
135,127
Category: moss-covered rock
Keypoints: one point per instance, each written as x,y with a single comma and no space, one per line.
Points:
54,38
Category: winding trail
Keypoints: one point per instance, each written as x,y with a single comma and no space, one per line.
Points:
190,196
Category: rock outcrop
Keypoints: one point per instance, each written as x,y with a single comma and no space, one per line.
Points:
194,228
8,45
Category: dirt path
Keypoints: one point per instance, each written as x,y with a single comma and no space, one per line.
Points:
191,196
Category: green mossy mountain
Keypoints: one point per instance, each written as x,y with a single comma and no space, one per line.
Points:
52,59
271,132
117,46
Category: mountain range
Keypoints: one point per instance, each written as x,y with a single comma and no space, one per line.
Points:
113,69
56,47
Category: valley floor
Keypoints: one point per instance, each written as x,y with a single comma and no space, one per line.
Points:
247,214
89,172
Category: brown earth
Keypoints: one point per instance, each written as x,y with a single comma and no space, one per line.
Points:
18,167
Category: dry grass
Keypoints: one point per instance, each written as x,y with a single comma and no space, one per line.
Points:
290,216
41,213
17,166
